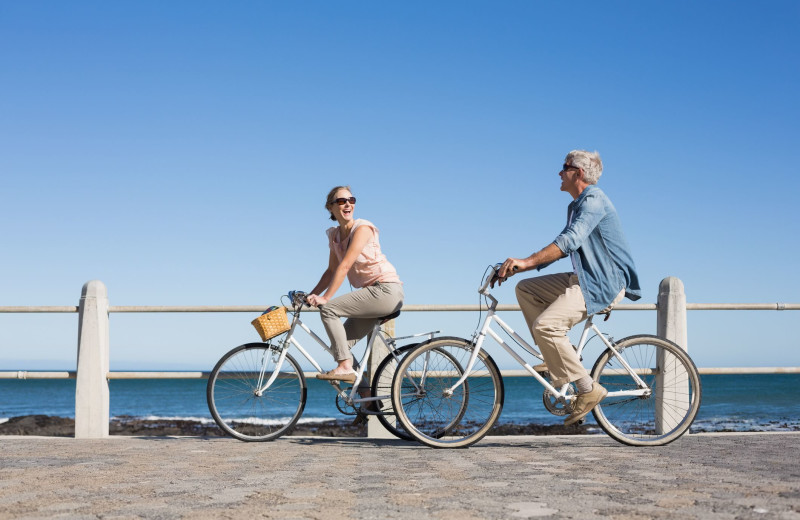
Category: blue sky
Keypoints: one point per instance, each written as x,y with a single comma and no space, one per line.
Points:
180,152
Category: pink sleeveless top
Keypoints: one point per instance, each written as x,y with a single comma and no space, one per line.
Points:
371,265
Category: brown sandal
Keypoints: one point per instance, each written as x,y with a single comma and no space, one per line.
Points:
349,377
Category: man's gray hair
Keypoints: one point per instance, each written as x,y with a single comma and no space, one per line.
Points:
589,162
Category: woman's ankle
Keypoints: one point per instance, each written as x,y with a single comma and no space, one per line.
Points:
344,367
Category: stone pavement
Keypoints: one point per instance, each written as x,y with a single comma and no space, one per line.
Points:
737,476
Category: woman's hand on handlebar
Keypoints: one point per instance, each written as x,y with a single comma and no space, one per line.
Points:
316,300
298,298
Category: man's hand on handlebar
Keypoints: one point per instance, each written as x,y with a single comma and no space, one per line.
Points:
507,269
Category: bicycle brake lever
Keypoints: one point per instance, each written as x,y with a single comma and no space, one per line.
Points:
298,298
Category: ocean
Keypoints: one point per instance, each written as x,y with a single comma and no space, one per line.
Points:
757,402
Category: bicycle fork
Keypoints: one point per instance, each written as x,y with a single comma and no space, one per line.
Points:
261,386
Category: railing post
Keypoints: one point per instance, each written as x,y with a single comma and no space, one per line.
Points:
672,311
91,387
375,429
671,325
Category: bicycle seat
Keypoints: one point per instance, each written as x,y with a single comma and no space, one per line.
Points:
606,313
389,317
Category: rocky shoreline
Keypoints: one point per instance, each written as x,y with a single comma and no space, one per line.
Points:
48,426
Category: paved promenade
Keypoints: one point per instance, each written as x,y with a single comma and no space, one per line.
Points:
737,476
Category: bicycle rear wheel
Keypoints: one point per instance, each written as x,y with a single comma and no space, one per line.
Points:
666,410
382,387
238,404
435,412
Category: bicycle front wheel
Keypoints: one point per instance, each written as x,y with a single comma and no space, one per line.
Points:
241,404
657,408
438,402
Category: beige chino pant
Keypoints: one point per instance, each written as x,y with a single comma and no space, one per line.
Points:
361,308
552,305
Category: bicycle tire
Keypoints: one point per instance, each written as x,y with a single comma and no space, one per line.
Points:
382,386
234,403
426,409
664,414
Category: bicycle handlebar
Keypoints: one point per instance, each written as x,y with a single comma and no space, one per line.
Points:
490,280
298,298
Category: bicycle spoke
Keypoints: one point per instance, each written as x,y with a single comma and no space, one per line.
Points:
434,407
238,404
670,404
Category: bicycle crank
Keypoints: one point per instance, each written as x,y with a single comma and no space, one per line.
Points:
343,406
557,405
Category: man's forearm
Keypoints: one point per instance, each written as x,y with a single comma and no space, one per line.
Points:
549,254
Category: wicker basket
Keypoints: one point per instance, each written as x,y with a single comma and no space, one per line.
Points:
271,323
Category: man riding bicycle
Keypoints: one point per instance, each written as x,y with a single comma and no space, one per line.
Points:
603,273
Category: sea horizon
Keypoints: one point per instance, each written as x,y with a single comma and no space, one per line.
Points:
751,402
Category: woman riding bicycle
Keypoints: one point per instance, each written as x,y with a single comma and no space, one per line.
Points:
355,253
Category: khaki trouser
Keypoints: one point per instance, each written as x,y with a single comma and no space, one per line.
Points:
361,308
552,305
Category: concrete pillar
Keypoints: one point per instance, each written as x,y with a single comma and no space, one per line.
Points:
375,429
91,388
671,325
672,311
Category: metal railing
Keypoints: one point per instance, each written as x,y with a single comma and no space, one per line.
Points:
189,374
93,374
406,308
39,374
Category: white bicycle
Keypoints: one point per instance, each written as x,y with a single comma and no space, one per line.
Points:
448,392
257,391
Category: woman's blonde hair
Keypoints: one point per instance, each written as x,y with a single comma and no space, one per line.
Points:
332,197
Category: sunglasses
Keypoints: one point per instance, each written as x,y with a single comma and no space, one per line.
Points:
342,201
569,167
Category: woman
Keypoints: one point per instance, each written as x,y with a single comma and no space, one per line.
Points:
355,253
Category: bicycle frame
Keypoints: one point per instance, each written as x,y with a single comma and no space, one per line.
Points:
351,397
559,394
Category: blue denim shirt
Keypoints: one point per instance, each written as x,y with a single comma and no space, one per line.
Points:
603,261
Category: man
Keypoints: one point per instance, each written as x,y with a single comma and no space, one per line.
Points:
603,272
